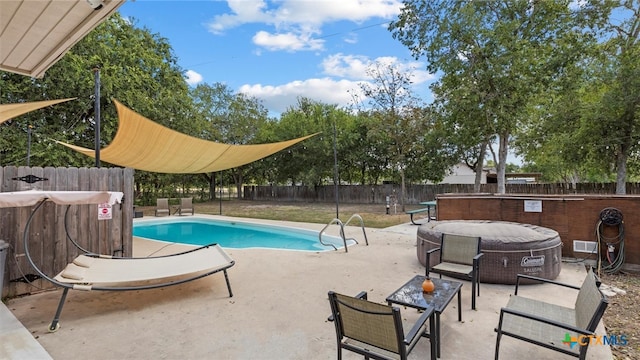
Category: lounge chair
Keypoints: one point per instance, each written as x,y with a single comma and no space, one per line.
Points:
459,257
97,272
375,330
186,206
91,271
563,329
162,207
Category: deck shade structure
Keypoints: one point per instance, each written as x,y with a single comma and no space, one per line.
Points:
143,144
9,111
35,34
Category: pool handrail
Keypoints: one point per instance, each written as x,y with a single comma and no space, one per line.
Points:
357,216
334,221
342,235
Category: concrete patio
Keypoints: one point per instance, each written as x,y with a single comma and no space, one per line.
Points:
279,309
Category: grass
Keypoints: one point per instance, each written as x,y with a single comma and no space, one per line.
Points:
373,215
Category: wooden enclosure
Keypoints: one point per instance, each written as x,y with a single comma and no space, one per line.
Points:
574,217
48,244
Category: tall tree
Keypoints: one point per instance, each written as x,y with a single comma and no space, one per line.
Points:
230,118
505,51
392,102
615,116
310,162
137,68
588,125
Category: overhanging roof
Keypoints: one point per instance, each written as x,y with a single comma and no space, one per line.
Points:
34,34
146,145
9,111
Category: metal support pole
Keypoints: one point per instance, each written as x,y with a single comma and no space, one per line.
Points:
96,113
29,145
335,168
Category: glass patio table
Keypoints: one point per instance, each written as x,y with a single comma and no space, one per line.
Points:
411,295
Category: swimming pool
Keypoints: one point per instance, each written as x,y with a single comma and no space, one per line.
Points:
233,234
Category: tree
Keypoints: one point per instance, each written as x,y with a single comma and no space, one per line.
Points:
230,118
503,53
615,115
393,103
587,127
137,68
312,161
363,154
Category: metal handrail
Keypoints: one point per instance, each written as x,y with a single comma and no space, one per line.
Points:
356,216
334,221
342,235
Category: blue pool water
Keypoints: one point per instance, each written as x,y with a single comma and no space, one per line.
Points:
236,235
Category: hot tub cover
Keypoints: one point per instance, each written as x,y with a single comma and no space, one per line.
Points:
506,235
509,248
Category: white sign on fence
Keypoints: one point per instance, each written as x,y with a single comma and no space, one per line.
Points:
104,212
533,206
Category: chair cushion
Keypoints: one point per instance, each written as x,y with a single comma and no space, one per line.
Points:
83,261
453,268
537,330
73,272
371,348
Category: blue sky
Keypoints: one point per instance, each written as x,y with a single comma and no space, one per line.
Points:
278,51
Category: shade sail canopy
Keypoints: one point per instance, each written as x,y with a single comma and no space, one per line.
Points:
146,145
9,111
35,34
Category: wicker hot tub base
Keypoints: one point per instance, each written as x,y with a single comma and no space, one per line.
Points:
509,248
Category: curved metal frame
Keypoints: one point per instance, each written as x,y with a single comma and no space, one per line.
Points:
55,323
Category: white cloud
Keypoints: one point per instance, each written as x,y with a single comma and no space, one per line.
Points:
341,86
348,66
355,67
286,41
243,12
282,14
192,78
299,20
280,98
351,38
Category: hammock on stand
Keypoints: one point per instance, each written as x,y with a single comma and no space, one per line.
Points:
91,271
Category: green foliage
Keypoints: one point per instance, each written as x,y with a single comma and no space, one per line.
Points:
525,74
135,67
586,128
495,57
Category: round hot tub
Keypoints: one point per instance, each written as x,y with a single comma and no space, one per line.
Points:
509,248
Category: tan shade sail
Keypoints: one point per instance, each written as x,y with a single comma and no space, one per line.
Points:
145,145
9,111
34,35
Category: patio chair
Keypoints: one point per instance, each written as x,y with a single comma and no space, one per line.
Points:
563,329
459,257
375,330
162,207
186,206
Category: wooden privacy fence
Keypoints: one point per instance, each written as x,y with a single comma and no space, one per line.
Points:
377,194
48,243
